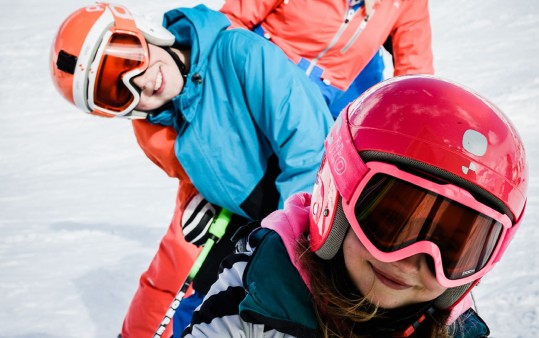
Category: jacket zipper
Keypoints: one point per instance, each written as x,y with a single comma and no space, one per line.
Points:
357,33
347,18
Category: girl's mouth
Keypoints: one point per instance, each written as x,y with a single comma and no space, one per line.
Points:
390,281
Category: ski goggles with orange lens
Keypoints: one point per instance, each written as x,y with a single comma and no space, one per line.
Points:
122,55
397,214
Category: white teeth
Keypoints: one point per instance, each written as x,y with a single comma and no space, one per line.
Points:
158,82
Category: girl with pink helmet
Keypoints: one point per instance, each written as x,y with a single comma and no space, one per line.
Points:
422,187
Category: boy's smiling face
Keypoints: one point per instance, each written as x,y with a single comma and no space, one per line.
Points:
160,83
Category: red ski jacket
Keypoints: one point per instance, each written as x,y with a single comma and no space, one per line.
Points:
336,37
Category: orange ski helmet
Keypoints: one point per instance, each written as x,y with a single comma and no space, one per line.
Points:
97,51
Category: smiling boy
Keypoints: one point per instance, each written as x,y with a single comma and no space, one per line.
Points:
224,111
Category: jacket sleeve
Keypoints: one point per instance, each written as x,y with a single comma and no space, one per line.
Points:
157,142
248,13
286,106
412,45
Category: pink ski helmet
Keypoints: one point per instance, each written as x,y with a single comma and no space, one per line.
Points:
418,164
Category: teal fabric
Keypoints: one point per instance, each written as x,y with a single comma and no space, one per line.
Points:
278,297
285,301
470,325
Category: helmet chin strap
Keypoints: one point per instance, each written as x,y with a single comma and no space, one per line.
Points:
179,63
183,72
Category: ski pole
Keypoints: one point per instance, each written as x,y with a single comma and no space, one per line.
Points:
217,230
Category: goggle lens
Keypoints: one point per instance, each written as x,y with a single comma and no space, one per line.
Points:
123,53
395,214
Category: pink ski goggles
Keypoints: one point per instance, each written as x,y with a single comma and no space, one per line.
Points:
397,214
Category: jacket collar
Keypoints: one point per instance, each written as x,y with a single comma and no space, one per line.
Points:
283,302
198,29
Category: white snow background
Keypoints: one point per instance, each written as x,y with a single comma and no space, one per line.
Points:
82,210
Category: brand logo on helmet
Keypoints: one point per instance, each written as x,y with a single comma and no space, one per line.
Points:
335,130
476,144
120,12
337,160
117,10
468,272
471,167
95,8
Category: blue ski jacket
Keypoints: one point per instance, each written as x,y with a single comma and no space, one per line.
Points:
250,124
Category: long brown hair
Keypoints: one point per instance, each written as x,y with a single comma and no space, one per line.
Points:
341,309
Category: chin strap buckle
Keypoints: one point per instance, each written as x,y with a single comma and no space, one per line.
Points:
412,327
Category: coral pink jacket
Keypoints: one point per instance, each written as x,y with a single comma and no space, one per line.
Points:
174,258
337,37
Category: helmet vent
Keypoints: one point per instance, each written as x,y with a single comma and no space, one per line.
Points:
450,296
336,235
66,62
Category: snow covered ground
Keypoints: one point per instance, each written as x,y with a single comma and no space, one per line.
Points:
82,210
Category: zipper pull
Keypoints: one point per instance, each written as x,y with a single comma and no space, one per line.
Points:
349,15
369,7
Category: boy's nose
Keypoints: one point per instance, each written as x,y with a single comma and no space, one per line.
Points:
138,81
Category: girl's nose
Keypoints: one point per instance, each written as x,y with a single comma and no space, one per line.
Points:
411,264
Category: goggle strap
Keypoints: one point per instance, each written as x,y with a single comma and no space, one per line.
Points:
346,166
509,235
66,62
179,63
